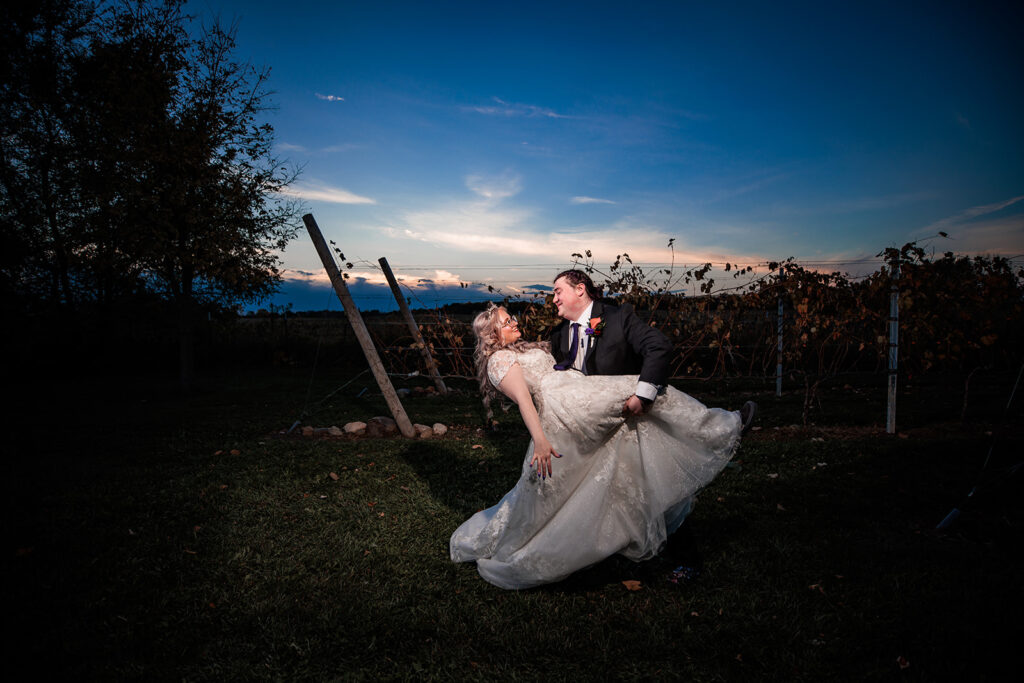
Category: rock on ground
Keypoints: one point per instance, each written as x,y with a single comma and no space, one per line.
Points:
356,428
439,429
423,431
386,424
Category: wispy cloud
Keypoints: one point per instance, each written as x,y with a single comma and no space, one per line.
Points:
849,204
439,278
590,200
978,230
499,187
329,98
997,236
967,216
330,149
346,147
503,108
312,290
324,193
485,228
751,186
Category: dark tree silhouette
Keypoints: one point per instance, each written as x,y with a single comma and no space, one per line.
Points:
135,160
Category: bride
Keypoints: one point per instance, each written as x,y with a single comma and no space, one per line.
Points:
594,482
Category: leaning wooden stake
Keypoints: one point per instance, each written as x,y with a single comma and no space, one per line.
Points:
413,328
356,321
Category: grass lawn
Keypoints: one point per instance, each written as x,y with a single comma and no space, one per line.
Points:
154,537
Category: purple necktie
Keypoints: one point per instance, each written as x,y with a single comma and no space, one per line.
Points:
574,348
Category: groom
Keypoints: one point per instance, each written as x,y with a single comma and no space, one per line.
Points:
601,339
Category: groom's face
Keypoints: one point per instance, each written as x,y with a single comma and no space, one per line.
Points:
570,301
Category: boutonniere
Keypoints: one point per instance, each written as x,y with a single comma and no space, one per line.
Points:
596,327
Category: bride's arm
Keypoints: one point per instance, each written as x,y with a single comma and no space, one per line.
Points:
514,386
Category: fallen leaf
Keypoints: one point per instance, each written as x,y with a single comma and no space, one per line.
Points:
720,499
903,662
739,658
380,514
372,504
632,585
405,488
774,475
219,453
778,506
223,486
694,614
817,587
333,476
476,445
235,451
190,552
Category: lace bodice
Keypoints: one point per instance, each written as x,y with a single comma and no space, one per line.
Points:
535,363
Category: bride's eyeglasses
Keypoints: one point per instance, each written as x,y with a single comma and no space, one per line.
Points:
511,322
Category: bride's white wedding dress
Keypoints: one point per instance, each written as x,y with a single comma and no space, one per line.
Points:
621,486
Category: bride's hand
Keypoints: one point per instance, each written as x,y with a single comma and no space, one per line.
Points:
542,453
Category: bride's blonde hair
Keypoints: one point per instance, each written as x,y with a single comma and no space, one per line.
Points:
488,340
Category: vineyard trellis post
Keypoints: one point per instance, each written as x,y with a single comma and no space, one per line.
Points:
359,327
894,332
413,328
778,366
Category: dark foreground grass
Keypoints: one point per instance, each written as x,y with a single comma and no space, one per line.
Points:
158,538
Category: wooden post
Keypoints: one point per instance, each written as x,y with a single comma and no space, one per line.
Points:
894,343
778,366
356,321
417,337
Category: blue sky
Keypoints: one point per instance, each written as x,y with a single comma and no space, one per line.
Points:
484,142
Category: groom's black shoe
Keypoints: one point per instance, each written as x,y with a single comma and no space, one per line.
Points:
747,414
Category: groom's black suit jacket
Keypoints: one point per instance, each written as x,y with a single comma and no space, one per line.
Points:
626,345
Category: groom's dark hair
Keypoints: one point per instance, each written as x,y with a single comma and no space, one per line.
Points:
575,277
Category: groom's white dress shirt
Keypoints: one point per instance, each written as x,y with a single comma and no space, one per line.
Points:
584,342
